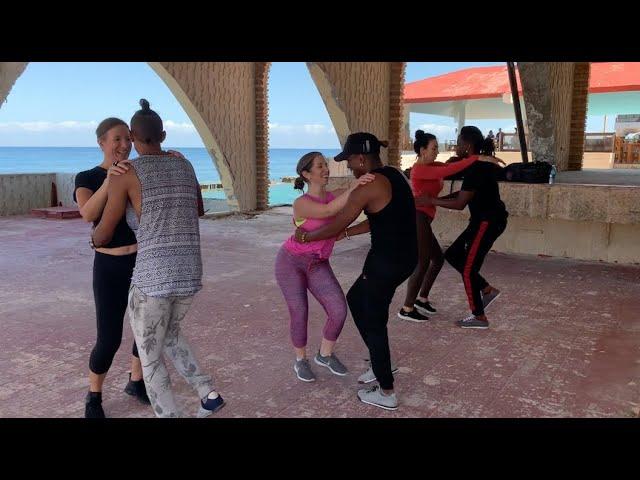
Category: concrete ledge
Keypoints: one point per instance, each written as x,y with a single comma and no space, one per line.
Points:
59,213
587,222
607,242
582,203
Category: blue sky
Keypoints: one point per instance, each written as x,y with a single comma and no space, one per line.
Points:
60,104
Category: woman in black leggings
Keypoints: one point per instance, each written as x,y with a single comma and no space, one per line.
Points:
112,265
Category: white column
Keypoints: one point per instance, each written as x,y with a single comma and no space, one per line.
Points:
461,115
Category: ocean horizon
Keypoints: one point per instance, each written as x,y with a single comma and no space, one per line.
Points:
282,163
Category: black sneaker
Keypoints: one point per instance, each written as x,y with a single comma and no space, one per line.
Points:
473,322
93,405
137,389
210,405
413,316
424,308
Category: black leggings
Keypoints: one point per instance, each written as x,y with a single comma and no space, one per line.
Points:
111,281
466,254
430,261
369,299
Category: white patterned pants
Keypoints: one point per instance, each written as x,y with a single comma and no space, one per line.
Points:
155,322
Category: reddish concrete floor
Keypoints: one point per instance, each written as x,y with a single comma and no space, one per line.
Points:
564,338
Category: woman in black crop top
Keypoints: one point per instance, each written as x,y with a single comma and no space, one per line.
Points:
112,265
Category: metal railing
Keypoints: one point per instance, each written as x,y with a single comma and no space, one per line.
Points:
599,142
506,142
626,152
510,142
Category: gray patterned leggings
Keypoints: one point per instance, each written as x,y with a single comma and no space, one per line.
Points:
155,322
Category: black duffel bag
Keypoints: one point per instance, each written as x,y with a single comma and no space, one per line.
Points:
531,172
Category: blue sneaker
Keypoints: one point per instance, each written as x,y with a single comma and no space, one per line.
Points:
210,405
472,322
489,297
332,363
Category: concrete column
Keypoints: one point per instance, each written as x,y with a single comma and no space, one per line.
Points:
462,114
579,100
396,113
536,86
408,134
262,134
547,99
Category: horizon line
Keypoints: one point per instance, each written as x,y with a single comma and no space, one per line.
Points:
171,146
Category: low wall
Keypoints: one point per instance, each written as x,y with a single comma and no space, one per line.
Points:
20,192
587,222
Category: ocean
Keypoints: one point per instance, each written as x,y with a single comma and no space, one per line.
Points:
282,163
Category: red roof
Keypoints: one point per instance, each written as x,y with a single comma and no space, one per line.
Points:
491,82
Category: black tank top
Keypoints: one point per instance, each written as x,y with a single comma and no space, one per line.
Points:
393,229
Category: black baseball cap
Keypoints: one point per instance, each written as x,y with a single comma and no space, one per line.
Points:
361,142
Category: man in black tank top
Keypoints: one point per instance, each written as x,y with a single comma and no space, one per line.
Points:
391,218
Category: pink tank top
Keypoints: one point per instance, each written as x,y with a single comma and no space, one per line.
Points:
322,248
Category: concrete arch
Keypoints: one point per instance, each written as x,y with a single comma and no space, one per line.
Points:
220,100
9,73
331,100
200,123
363,96
227,103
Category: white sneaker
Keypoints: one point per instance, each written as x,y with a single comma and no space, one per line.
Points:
374,396
369,376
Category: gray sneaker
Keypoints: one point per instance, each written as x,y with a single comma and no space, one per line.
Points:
489,297
374,396
303,371
369,376
332,363
473,322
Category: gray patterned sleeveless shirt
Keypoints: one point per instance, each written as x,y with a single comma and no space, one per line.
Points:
168,232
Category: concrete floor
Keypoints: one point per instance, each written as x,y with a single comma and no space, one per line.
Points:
564,338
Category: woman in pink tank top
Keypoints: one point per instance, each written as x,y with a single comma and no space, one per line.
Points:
301,267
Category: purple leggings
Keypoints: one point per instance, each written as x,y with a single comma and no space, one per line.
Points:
297,273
